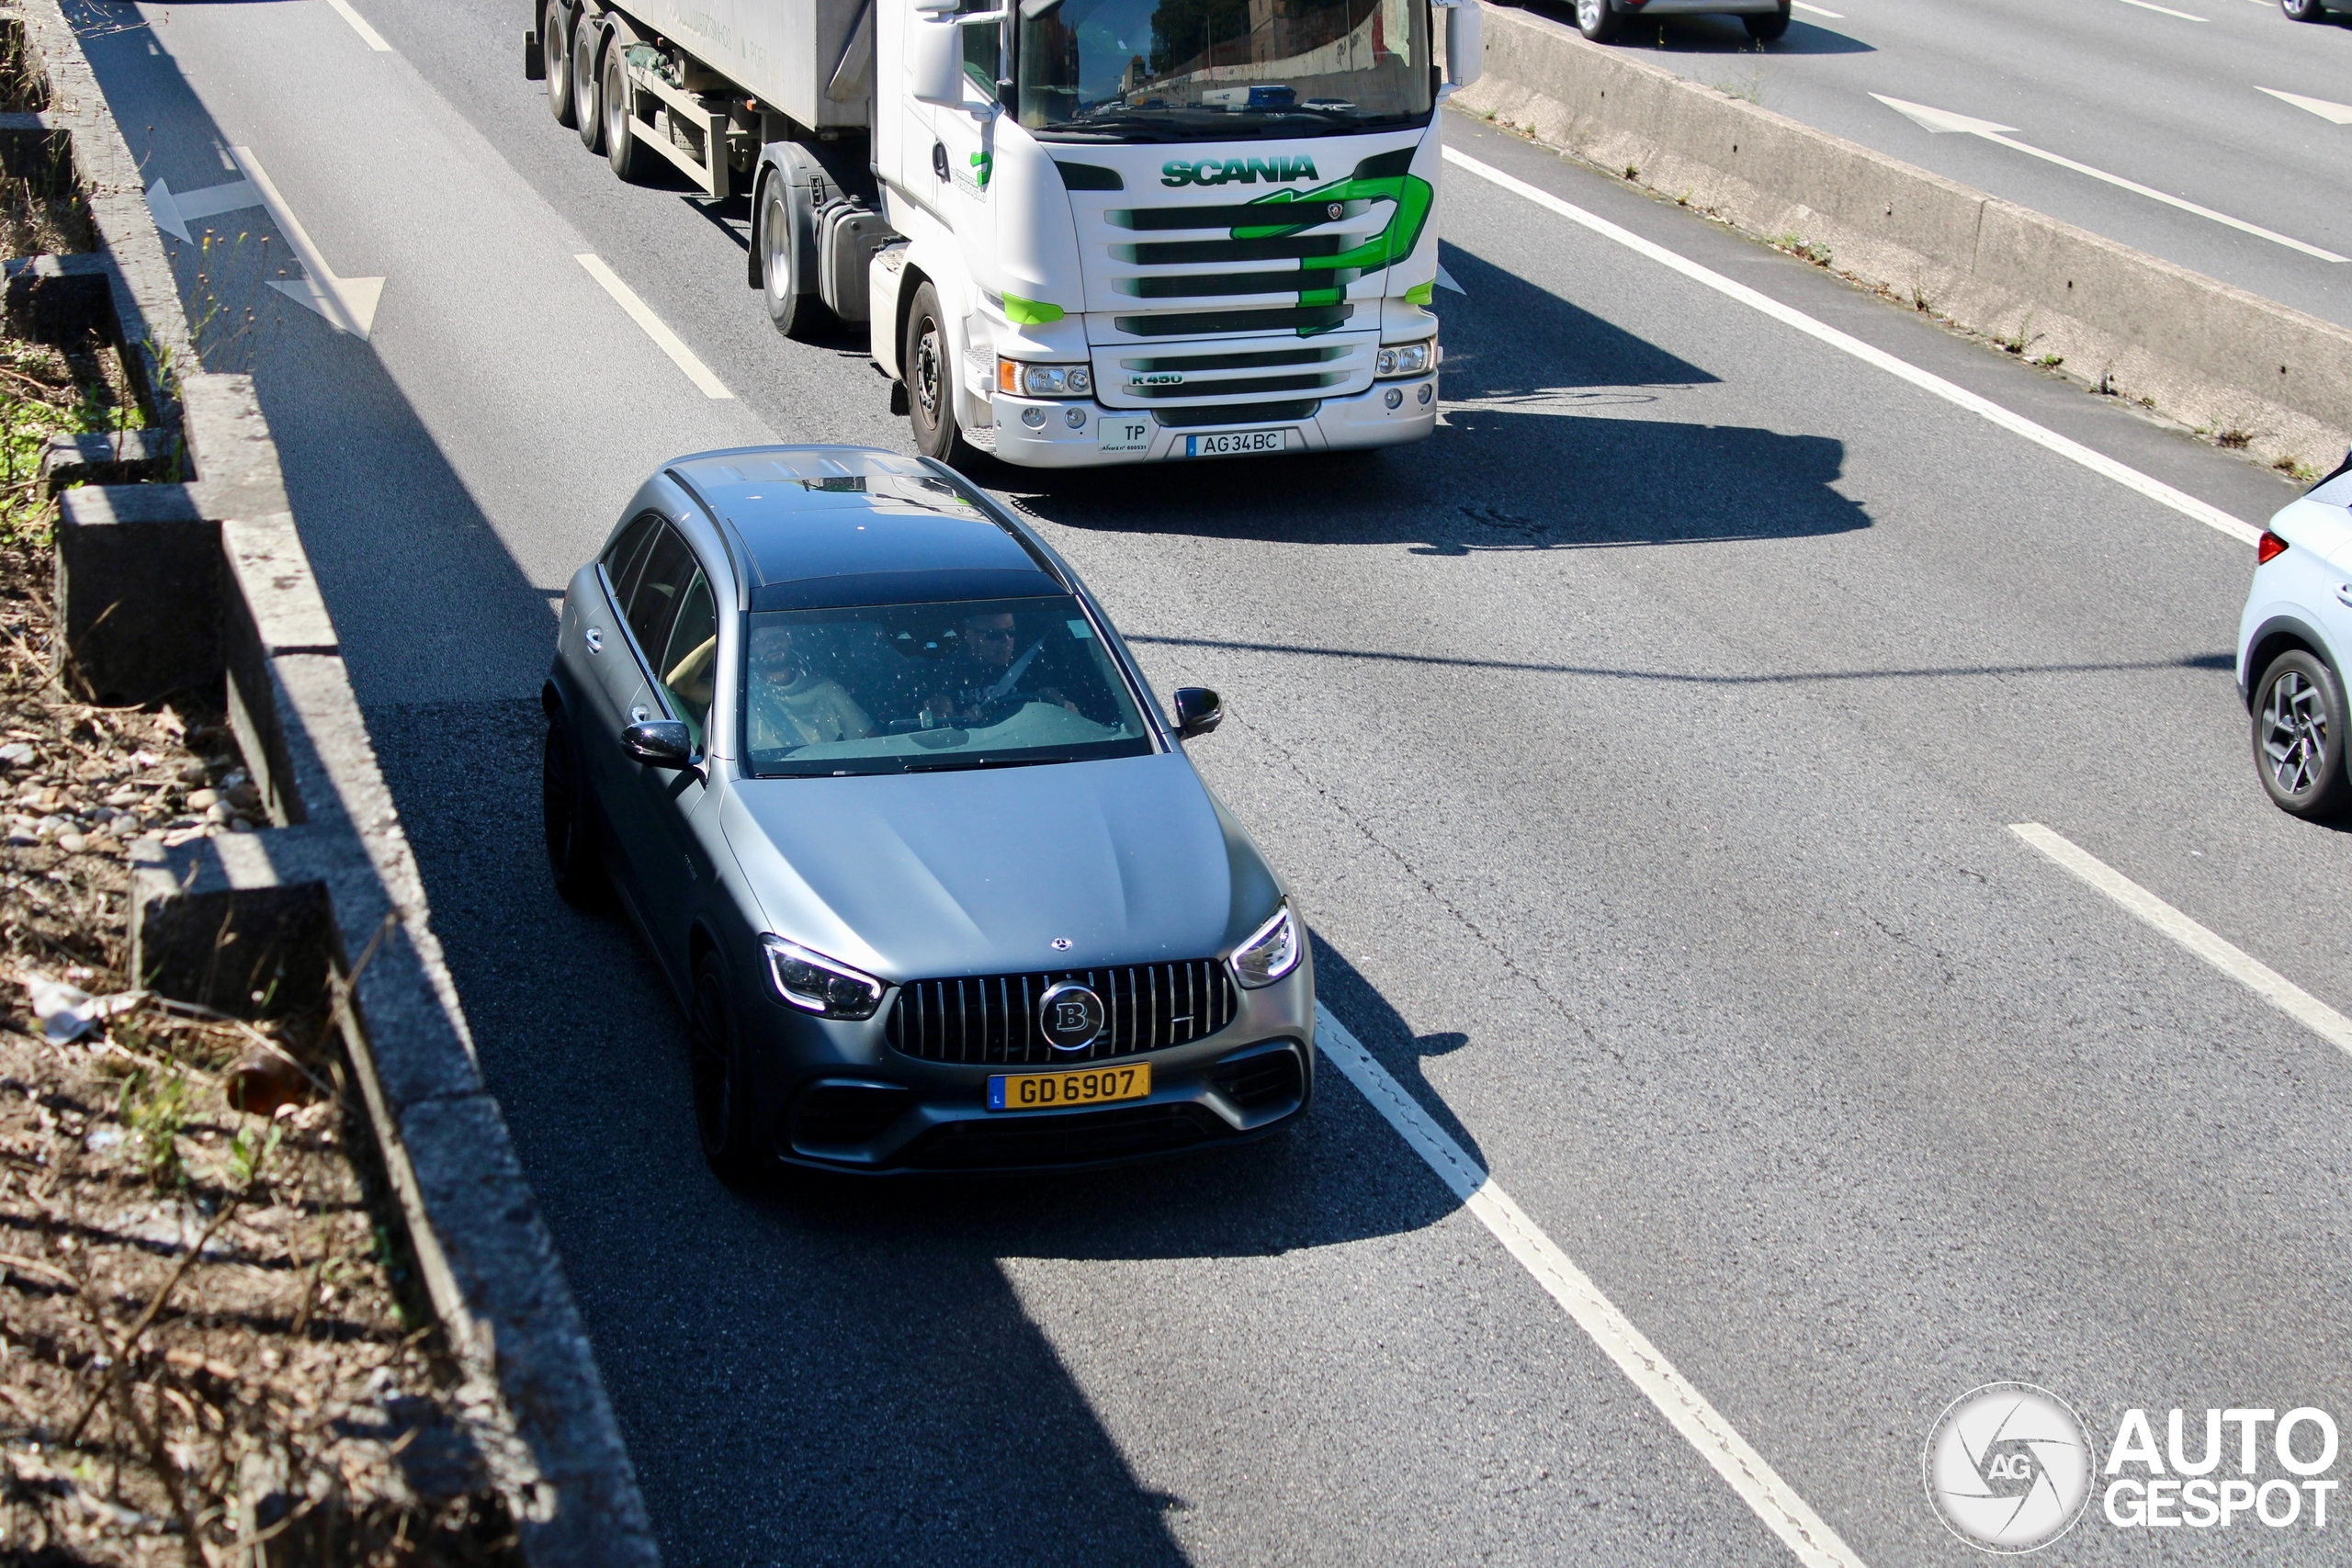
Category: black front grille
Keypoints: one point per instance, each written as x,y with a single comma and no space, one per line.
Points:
842,1115
1261,1082
1236,414
1073,1139
1198,253
991,1019
1243,385
1305,319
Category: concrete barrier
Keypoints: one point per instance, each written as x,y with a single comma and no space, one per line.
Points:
2211,355
197,580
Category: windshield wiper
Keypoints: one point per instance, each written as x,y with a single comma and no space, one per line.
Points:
970,763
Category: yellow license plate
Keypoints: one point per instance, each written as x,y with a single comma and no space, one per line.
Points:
1060,1091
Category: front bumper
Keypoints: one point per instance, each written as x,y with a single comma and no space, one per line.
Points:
839,1097
1361,419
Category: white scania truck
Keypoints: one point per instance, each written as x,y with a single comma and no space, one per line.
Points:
1082,231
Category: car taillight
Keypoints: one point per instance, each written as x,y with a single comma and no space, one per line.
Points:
2268,548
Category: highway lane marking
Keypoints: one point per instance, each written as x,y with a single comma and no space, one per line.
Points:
2340,113
348,303
369,35
2099,463
655,328
174,210
1940,122
2149,5
1817,11
2255,975
1759,1485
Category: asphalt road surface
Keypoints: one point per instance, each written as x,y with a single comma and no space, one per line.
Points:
2171,96
1644,751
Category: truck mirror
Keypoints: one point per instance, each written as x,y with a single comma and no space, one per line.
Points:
936,66
1465,44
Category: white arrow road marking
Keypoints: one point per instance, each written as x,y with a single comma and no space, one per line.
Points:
2146,5
2340,113
1775,1501
1944,120
369,35
2263,981
174,212
348,303
1928,381
1445,280
655,327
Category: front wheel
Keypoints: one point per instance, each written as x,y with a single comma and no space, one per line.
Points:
2304,10
568,816
2298,732
1597,21
925,362
722,1094
1767,25
780,280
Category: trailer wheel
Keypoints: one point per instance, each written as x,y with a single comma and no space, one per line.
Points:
587,40
790,305
622,149
930,372
555,41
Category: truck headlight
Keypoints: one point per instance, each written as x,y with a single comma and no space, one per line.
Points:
1402,359
1043,381
1270,953
814,982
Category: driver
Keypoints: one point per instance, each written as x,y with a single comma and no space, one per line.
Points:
986,673
792,707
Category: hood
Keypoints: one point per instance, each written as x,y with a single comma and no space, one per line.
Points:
913,877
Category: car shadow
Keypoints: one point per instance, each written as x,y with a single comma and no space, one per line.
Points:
1707,34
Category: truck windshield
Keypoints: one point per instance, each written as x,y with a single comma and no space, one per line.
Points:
1202,70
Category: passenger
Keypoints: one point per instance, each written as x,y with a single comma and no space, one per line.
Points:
793,706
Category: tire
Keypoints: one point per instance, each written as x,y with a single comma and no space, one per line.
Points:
2304,10
2299,736
722,1103
623,151
587,108
1598,22
1769,25
555,40
926,362
789,305
568,815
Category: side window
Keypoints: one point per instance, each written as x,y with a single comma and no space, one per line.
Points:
627,553
652,598
983,51
689,668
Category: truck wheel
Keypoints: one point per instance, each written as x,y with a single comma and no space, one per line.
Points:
1767,25
788,305
622,150
1597,21
555,39
586,111
926,361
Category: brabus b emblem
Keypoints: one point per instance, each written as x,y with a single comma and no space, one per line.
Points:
1071,1016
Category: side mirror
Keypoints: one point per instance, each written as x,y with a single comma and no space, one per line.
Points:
935,64
662,743
1466,43
1198,711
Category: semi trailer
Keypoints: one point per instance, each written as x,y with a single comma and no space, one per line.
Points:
1079,232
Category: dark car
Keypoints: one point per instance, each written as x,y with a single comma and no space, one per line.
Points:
907,833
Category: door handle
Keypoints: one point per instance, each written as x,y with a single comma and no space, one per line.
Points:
2344,592
594,639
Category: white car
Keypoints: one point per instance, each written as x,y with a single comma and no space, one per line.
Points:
2292,642
1602,20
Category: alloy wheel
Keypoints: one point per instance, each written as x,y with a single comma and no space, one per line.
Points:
2295,733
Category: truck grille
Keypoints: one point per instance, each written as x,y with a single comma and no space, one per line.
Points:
991,1019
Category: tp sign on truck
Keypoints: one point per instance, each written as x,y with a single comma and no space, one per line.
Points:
1080,232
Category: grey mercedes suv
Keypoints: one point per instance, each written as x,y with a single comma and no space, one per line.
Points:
907,833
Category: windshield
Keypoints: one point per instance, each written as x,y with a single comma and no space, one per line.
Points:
1170,70
910,688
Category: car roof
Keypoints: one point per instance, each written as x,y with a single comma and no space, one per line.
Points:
829,527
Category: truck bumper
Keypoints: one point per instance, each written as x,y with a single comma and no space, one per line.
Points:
1054,442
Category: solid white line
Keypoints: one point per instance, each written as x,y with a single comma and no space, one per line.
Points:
655,328
2146,5
1833,16
1774,1501
2270,986
369,35
349,304
1960,397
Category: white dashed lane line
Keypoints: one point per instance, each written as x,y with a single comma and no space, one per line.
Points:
2263,981
1774,1501
368,35
2099,463
655,328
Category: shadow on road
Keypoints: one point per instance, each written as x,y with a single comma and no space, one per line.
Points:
1708,34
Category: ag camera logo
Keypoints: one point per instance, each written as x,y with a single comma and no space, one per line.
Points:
2008,1467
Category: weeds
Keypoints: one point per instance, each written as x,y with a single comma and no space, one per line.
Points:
2051,361
155,1109
2296,469
1803,249
2234,439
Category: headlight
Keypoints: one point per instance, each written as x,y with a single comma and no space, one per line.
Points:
814,982
1402,359
1270,953
1043,381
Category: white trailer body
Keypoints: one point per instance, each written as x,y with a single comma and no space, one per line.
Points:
1079,231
